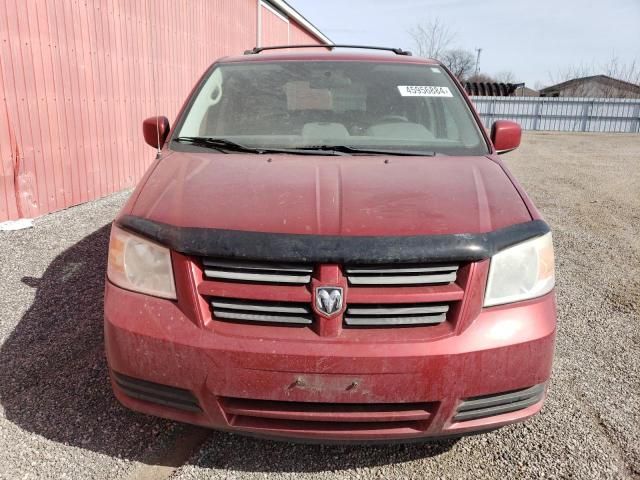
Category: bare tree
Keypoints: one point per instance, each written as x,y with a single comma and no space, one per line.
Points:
481,78
432,38
570,72
614,68
627,72
459,61
538,85
505,76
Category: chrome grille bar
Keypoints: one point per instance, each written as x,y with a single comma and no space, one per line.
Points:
230,305
385,315
265,312
400,275
401,310
257,272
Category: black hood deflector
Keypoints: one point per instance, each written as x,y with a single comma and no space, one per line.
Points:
282,247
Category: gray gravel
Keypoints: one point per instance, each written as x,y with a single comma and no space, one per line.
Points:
58,417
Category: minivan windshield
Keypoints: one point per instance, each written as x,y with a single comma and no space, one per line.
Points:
350,105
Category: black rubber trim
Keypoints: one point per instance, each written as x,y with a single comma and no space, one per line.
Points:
497,410
487,401
156,393
445,441
280,247
491,405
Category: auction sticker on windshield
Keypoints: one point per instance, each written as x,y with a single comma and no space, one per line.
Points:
424,91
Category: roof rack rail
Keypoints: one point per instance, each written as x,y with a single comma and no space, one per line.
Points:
397,51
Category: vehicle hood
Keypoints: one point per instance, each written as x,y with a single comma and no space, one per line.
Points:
331,195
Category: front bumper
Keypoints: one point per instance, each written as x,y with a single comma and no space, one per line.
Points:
329,389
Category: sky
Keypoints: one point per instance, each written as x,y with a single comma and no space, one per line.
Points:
536,39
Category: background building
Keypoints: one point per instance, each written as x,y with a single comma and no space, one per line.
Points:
601,86
78,78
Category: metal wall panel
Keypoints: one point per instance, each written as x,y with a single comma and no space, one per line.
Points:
78,77
275,27
300,36
564,114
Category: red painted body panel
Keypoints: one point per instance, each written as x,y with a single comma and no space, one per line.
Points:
503,348
155,131
505,135
325,195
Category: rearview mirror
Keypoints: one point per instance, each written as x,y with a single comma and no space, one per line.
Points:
155,131
505,136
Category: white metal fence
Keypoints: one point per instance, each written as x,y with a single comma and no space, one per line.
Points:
564,114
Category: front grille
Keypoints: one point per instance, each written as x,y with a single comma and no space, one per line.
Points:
388,315
242,271
251,293
263,312
165,395
399,275
496,404
328,417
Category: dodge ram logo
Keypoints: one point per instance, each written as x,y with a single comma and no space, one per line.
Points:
329,300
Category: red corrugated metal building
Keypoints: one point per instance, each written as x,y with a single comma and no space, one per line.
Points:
78,77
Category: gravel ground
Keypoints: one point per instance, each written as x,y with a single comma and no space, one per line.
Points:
57,414
58,418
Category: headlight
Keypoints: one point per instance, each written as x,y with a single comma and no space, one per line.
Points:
521,272
140,265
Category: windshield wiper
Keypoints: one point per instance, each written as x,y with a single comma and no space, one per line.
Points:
224,145
216,143
368,151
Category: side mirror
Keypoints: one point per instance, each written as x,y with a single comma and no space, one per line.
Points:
505,136
155,131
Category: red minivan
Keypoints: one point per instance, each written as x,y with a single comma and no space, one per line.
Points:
328,247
